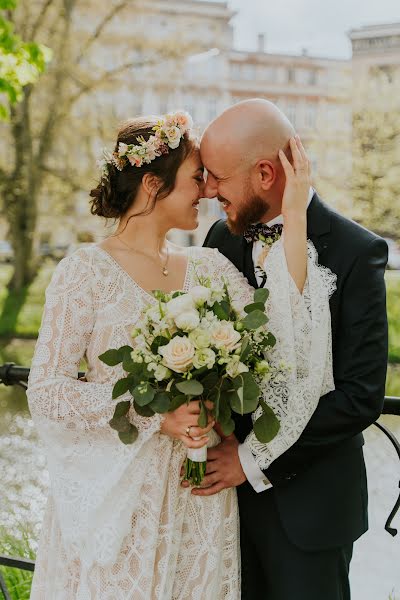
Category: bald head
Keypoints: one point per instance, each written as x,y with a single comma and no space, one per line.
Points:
247,132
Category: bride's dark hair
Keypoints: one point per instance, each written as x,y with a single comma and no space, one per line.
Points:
117,191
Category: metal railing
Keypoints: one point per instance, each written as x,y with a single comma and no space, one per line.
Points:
12,374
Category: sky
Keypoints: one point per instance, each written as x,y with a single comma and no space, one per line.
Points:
321,26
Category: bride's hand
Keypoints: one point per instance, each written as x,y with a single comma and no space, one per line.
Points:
298,180
175,425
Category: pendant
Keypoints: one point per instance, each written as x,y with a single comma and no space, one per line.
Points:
165,271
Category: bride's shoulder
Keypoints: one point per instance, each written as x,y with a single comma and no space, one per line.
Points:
77,264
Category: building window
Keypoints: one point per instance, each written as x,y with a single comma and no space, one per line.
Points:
291,113
310,115
291,75
248,72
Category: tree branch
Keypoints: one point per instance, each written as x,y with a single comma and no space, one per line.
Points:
39,19
65,177
99,29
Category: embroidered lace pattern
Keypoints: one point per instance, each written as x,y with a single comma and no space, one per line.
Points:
118,525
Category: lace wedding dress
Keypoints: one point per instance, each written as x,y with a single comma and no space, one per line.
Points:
118,525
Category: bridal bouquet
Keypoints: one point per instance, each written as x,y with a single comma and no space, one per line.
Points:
196,345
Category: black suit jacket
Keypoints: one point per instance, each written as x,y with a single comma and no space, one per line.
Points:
320,482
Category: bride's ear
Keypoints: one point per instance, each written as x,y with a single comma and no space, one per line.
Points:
151,183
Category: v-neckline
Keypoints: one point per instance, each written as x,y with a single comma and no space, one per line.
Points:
135,283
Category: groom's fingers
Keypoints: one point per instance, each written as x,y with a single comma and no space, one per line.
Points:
210,480
210,491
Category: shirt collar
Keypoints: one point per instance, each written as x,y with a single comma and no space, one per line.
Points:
279,218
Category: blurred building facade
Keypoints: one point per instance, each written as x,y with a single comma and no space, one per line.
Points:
315,93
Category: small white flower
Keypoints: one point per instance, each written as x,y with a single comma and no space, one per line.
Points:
178,305
262,367
122,149
162,372
178,354
174,136
200,294
188,320
234,367
205,357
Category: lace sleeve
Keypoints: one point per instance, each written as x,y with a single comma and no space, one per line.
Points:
54,392
92,472
302,327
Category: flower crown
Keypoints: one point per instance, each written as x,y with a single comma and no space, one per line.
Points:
168,133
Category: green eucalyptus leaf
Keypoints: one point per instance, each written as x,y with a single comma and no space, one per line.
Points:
255,306
228,426
192,387
210,380
203,417
159,341
143,393
121,387
122,408
261,295
143,411
111,358
255,319
267,425
120,424
177,401
219,311
130,436
161,402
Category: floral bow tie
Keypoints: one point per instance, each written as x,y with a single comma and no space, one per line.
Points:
263,233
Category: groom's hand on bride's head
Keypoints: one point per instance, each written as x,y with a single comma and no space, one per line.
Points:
224,469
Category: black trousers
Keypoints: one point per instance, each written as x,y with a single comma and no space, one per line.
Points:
275,569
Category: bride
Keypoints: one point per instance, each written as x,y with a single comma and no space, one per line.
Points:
118,524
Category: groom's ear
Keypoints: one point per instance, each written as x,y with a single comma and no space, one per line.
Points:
266,174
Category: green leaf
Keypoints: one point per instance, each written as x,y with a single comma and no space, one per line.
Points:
122,408
120,424
143,393
203,417
161,402
111,358
248,393
261,295
210,380
121,387
130,436
245,349
255,319
236,400
267,425
255,306
219,311
190,388
159,341
177,401
228,426
143,411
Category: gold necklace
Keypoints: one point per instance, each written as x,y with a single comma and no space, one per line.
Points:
164,269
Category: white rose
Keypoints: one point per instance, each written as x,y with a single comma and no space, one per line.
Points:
174,137
235,367
200,338
200,294
187,321
178,305
223,335
178,354
154,314
204,357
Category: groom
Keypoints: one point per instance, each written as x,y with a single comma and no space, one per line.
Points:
300,517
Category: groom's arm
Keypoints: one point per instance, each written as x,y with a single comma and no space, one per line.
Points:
360,363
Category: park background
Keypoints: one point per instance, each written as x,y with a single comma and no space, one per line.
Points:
79,67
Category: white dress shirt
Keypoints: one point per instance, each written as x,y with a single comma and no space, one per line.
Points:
254,475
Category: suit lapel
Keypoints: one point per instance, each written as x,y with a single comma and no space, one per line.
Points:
318,225
248,265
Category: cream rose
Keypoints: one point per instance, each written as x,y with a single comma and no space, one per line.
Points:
205,357
223,335
178,354
200,338
187,321
178,305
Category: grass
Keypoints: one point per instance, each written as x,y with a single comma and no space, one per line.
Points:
18,582
393,307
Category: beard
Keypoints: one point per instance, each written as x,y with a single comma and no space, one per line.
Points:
250,211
